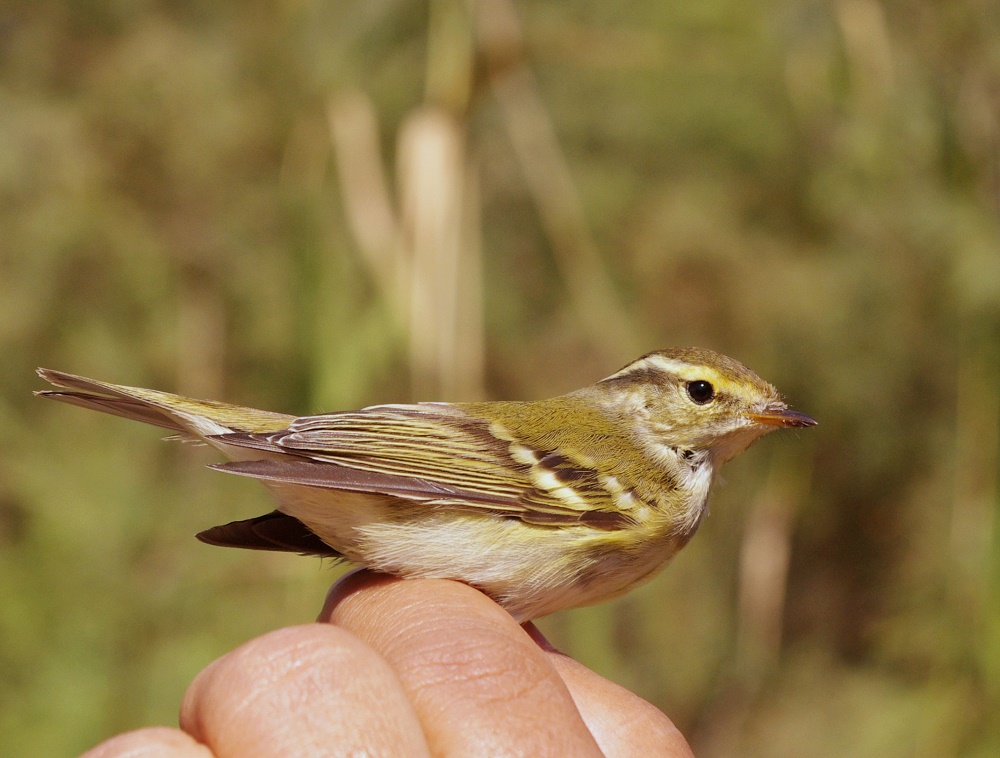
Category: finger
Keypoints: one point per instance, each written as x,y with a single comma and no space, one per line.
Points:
303,691
155,742
622,722
478,683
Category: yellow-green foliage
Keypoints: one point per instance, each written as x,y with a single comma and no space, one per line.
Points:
191,199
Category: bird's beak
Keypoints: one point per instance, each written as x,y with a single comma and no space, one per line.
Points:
777,414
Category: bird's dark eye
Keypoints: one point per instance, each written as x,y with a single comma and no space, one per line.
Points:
700,391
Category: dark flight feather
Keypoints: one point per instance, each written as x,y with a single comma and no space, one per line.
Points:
272,531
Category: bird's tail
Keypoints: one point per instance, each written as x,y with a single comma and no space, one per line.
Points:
175,412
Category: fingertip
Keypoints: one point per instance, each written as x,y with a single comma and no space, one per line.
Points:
350,583
297,691
152,742
622,723
368,597
474,674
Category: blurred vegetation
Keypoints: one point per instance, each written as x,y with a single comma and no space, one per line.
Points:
307,206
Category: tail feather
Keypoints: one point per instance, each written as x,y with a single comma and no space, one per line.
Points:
272,531
175,412
104,397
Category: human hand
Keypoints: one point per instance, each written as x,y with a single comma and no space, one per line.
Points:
404,668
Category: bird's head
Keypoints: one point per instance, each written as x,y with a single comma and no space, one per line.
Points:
696,399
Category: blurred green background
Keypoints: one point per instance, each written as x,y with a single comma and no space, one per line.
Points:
309,206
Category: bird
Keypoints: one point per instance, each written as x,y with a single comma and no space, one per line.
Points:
543,505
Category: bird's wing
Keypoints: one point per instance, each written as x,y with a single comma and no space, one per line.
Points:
433,453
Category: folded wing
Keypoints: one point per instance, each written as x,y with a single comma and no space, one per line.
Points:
433,453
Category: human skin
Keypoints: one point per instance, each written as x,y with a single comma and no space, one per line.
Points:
412,667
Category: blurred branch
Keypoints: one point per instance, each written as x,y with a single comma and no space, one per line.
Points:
977,462
450,55
433,180
367,203
765,556
201,337
425,259
869,52
550,182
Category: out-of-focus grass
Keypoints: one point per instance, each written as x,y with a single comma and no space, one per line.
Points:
810,188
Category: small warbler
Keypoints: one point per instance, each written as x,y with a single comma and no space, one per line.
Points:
543,505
